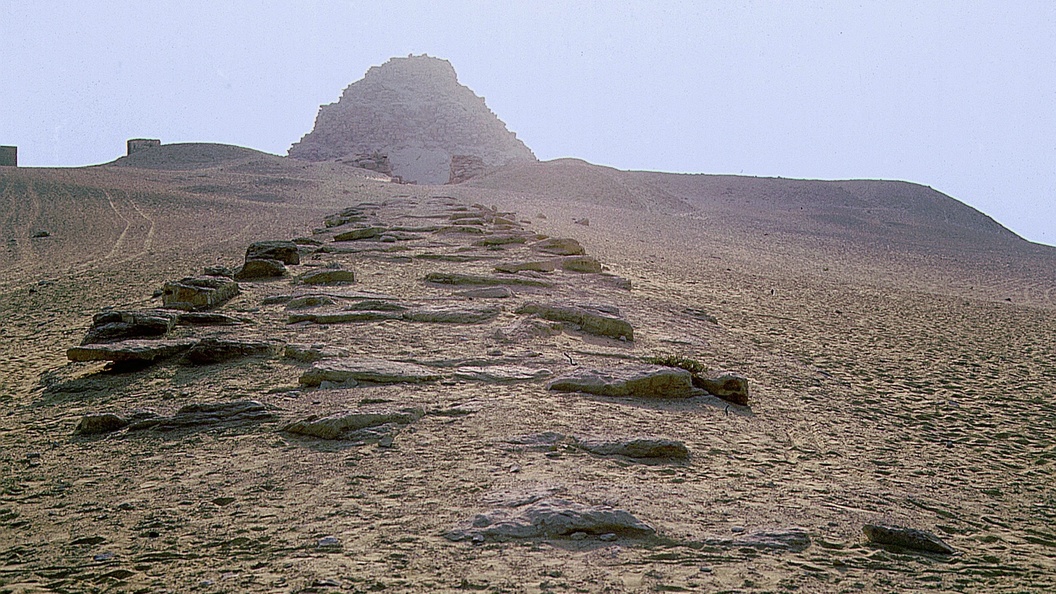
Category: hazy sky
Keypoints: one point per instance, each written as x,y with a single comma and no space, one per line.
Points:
958,95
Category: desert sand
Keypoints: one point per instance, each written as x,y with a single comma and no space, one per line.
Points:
900,365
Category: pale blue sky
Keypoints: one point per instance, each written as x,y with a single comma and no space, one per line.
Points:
959,95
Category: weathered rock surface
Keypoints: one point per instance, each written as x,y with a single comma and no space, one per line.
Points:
131,351
500,374
347,424
559,246
200,415
534,266
651,381
729,386
258,269
554,518
283,251
592,320
376,371
120,325
98,424
413,112
198,292
640,447
453,314
327,276
907,538
780,539
446,278
217,350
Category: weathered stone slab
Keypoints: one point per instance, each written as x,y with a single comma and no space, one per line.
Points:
453,314
727,385
343,317
640,447
346,424
359,233
503,239
907,538
327,276
306,301
131,351
651,381
595,320
559,246
501,374
121,325
258,269
778,539
554,518
377,371
283,251
534,266
217,350
451,278
586,264
198,292
199,318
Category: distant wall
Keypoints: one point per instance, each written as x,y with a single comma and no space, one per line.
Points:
139,144
9,156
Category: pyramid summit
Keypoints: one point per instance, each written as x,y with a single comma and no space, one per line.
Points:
411,118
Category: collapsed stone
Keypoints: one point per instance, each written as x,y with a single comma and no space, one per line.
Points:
554,518
375,371
98,424
595,320
283,251
131,351
258,269
727,385
217,350
115,325
346,424
198,292
651,381
907,538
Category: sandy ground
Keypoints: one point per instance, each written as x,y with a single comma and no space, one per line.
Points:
889,385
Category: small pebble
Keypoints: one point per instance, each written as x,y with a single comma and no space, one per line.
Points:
103,556
608,537
706,569
737,529
477,539
578,535
385,442
329,541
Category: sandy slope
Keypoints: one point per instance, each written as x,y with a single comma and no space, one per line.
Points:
890,383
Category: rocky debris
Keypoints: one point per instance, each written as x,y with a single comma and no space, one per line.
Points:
327,276
108,326
283,251
359,233
585,264
306,301
219,271
906,538
97,424
450,278
500,239
486,293
559,246
311,353
731,387
198,292
651,381
348,425
413,113
555,518
208,319
132,351
700,314
374,304
500,374
615,281
258,269
214,349
600,321
527,329
375,371
343,317
446,314
199,415
534,266
638,447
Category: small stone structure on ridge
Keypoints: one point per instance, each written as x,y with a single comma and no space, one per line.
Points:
8,156
140,144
